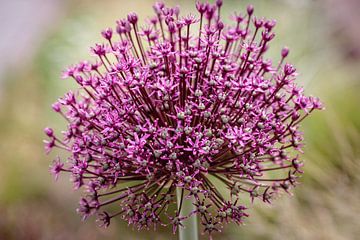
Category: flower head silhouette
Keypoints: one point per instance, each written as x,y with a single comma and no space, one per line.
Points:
185,102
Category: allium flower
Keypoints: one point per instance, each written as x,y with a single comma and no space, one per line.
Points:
184,103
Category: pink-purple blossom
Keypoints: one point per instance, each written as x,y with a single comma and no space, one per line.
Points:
183,102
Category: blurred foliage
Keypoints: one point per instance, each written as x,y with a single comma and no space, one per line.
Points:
325,206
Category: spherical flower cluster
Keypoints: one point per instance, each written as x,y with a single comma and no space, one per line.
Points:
185,102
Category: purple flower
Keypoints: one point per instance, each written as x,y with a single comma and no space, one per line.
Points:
56,168
107,33
104,219
85,209
49,132
163,108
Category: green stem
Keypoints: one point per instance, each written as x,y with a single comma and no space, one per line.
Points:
190,230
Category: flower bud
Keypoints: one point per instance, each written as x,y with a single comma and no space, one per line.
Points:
56,107
250,9
49,132
285,52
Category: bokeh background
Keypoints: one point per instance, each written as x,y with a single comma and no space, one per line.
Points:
39,38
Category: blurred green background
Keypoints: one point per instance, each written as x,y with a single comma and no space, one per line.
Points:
41,37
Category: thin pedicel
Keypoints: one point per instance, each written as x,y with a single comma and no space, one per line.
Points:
165,109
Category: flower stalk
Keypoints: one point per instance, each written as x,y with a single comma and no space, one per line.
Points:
189,230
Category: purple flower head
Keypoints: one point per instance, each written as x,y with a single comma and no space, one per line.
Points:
107,33
56,168
163,109
132,18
